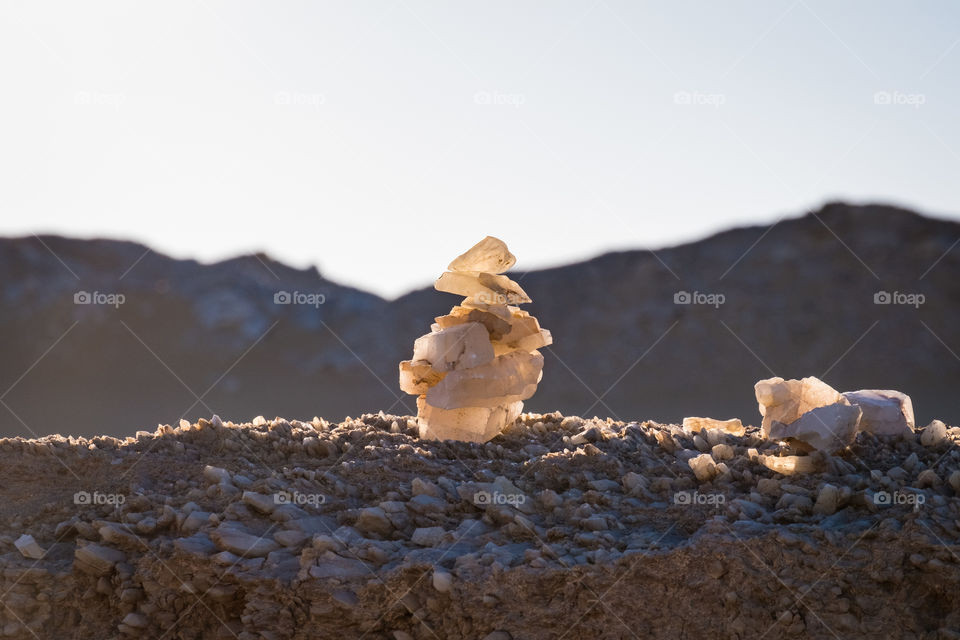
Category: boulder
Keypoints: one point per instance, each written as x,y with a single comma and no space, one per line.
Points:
885,412
829,428
786,400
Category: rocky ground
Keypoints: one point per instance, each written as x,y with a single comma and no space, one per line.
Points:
559,528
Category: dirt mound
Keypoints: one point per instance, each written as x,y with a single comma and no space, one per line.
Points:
559,528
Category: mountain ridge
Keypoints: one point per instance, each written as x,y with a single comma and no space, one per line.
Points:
798,299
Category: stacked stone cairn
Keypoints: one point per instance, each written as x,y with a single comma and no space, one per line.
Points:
478,364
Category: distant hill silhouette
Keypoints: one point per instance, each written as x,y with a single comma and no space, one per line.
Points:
798,299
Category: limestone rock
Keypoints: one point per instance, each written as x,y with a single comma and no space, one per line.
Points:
828,428
789,465
497,326
470,424
933,433
786,400
885,412
28,547
442,581
704,467
459,347
732,426
505,380
482,287
417,377
490,255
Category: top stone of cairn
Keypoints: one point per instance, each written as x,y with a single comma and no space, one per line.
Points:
490,255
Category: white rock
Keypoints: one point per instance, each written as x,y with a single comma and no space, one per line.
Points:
786,400
490,255
722,452
789,465
442,581
704,468
732,426
460,347
935,432
829,428
885,412
28,547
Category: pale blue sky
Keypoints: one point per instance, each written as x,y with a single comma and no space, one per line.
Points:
377,140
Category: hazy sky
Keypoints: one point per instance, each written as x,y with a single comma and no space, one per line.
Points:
377,140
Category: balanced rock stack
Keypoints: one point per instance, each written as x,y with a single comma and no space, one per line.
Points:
478,364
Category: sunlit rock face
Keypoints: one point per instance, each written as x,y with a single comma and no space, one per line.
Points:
786,400
885,412
479,362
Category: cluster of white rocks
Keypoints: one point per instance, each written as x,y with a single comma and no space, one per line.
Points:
813,413
478,364
813,417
